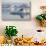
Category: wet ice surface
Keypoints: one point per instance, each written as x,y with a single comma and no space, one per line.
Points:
15,11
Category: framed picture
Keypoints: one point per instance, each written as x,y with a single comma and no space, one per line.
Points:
16,11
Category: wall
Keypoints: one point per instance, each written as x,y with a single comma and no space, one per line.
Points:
25,27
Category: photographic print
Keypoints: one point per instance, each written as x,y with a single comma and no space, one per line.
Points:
16,11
